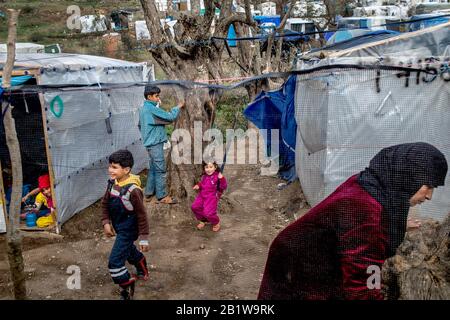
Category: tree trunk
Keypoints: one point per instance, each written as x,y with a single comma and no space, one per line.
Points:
185,57
198,109
14,241
421,268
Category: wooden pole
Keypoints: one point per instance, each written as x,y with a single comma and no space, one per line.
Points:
13,234
2,197
49,158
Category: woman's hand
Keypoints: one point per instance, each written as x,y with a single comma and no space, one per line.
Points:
412,224
196,187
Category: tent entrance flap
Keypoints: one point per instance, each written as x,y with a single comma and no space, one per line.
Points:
276,110
27,114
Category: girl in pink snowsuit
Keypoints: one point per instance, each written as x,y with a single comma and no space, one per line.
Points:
211,187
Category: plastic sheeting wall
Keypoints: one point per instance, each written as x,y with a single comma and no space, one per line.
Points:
429,42
87,129
2,219
343,122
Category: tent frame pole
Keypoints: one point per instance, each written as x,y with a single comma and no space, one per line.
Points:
3,197
49,155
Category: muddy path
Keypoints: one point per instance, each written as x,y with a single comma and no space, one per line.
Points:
185,263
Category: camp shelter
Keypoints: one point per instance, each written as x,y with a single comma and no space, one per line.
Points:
72,131
425,43
350,104
276,110
25,47
93,23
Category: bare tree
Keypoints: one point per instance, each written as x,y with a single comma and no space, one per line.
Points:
188,55
251,58
13,234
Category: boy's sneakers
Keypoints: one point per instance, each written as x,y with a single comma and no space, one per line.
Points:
127,289
142,270
149,198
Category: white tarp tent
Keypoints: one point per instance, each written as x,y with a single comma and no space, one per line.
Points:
346,115
142,32
25,47
93,23
2,218
85,126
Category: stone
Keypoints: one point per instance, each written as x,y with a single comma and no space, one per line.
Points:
420,268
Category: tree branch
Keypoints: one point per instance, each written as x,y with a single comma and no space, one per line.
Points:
158,34
272,36
236,18
151,15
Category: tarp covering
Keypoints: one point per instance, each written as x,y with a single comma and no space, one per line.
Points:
24,47
92,23
275,110
429,42
2,219
345,116
85,127
16,81
350,38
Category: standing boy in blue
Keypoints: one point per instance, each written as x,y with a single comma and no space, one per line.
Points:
152,121
124,215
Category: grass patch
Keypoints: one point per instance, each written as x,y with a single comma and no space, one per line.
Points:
230,111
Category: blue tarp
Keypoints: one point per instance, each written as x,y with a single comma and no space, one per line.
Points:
16,81
350,37
419,25
265,19
231,35
276,110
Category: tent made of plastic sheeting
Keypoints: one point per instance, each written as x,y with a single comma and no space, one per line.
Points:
349,38
142,32
422,44
93,23
276,110
25,47
2,218
83,127
346,115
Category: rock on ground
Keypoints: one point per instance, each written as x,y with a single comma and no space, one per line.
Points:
421,268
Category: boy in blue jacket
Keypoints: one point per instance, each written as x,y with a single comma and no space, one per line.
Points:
152,121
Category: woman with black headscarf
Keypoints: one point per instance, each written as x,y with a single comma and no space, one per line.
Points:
330,252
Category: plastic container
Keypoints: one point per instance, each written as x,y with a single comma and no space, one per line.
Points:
31,219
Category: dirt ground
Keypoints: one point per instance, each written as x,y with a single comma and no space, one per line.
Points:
184,263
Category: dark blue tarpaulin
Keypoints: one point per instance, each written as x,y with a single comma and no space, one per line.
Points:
16,81
276,110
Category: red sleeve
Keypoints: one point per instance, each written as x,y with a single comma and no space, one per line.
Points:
361,245
137,200
105,212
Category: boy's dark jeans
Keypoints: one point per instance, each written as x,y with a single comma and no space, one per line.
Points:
122,251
